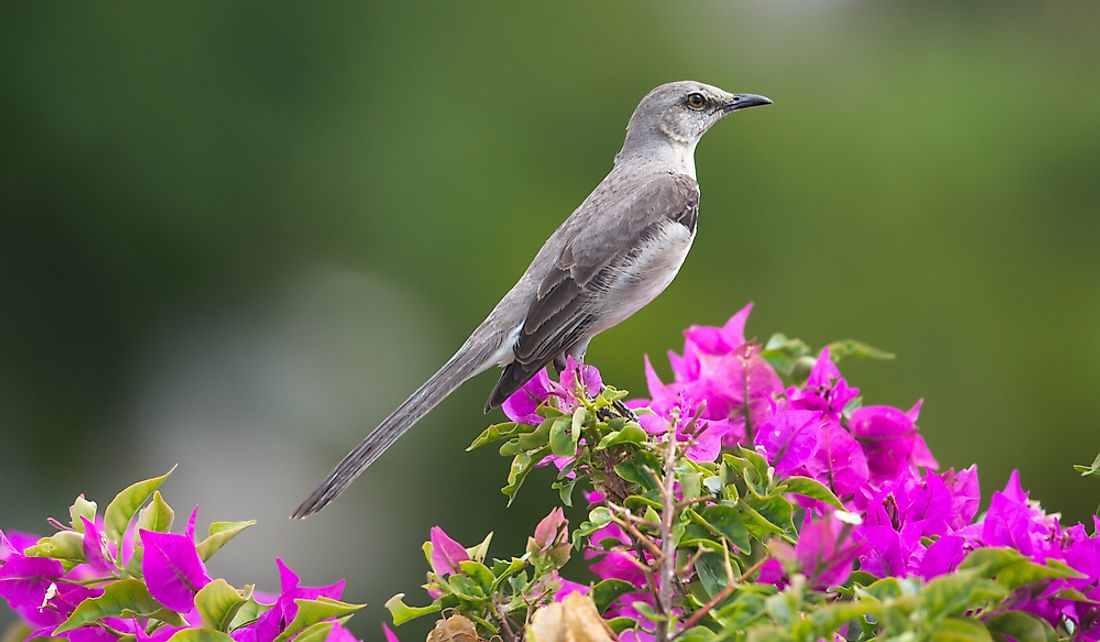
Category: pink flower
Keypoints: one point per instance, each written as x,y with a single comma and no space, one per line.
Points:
720,372
390,636
551,539
172,568
575,379
789,439
825,551
889,439
446,553
825,389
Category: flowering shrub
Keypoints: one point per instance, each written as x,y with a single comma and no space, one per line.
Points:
755,498
124,575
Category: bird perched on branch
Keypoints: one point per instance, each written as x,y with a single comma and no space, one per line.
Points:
618,250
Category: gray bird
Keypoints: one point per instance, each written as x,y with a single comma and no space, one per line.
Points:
618,250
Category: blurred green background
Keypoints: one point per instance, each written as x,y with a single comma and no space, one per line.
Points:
236,235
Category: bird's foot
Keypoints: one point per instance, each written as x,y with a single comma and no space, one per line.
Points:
623,410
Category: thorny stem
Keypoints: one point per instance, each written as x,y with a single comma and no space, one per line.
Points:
636,534
509,635
690,563
668,546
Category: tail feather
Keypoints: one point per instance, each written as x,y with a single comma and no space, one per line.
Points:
454,373
513,378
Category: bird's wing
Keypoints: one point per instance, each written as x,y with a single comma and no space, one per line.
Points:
619,223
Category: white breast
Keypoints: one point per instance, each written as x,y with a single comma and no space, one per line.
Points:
642,279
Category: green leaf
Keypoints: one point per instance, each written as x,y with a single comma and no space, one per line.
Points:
828,619
696,535
316,632
311,612
776,510
955,629
580,418
811,488
1012,569
782,352
116,519
1089,471
958,592
597,518
64,546
522,465
157,516
218,602
648,612
118,600
479,552
882,590
757,525
756,459
503,570
691,485
540,435
565,490
478,572
199,635
401,612
466,589
695,634
220,534
1020,626
621,623
847,349
81,508
635,502
248,613
497,432
562,443
600,516
607,591
711,569
728,522
631,433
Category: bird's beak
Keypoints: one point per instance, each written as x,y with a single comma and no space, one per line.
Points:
744,101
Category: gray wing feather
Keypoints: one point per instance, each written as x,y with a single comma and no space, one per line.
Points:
616,226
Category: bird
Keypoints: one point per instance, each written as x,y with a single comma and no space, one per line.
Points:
620,248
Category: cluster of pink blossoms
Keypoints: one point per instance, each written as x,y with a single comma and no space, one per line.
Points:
45,592
903,518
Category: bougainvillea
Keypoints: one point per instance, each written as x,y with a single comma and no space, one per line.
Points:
752,497
781,508
123,575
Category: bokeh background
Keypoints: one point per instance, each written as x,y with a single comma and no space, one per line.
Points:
235,235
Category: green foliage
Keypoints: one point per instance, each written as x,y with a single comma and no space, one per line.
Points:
218,603
726,521
1092,470
122,508
127,595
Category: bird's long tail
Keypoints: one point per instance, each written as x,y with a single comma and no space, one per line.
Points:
467,363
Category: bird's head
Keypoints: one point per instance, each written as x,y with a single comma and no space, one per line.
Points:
677,114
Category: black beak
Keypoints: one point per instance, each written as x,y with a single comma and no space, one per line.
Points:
744,101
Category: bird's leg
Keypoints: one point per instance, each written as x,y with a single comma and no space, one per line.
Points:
577,352
624,410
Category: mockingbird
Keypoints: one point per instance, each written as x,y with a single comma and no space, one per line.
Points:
618,250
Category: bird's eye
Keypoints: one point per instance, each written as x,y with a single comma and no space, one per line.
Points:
696,101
